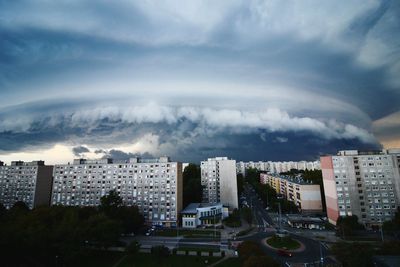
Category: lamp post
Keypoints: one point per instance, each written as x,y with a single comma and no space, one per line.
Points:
177,234
279,210
320,252
215,227
382,232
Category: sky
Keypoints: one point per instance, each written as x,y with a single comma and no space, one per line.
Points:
251,79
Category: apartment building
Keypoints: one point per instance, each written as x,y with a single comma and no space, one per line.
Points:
277,166
154,185
218,176
306,196
29,182
365,184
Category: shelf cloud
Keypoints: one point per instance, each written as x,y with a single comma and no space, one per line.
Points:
247,79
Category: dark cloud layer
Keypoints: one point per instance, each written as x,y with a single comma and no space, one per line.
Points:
247,79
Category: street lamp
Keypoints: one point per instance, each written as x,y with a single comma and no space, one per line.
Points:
177,233
320,252
279,210
215,228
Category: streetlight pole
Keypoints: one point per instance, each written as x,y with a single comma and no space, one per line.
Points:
177,233
320,252
382,233
215,228
279,209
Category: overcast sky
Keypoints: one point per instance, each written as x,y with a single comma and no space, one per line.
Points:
251,80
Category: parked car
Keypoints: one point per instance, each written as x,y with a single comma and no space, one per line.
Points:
284,253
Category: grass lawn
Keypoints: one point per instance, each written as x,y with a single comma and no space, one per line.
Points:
362,238
231,262
99,259
148,260
198,249
188,233
284,242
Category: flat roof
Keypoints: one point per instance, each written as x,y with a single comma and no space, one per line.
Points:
192,207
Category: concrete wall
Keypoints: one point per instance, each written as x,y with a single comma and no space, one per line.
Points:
44,184
330,189
228,183
310,198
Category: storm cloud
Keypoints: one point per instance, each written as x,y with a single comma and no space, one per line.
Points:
246,79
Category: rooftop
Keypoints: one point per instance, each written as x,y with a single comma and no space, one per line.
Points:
131,160
192,207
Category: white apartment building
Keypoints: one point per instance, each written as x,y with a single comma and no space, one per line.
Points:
29,182
306,196
366,184
218,176
277,166
154,185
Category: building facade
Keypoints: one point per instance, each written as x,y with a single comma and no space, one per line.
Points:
277,166
218,177
306,196
154,185
365,184
29,182
203,214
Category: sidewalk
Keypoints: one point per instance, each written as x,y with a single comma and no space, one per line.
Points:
230,232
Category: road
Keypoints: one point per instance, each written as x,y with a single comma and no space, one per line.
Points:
267,227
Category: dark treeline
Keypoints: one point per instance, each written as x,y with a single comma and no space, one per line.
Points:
268,194
59,235
192,188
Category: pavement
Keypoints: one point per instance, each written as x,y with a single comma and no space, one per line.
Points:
313,251
265,226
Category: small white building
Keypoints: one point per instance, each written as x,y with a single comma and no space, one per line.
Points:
203,214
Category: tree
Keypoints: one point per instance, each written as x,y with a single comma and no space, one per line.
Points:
260,261
110,203
192,188
132,220
133,248
160,252
101,231
353,254
346,225
249,248
240,184
234,219
3,210
394,224
247,214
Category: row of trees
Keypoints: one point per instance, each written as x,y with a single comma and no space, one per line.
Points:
192,188
251,255
360,254
268,194
59,235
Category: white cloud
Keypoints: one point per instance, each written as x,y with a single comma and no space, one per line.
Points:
217,120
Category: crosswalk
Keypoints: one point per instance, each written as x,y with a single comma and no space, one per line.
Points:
265,228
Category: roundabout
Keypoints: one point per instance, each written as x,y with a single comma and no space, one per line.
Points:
287,243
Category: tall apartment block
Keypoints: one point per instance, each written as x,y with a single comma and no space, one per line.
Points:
29,182
218,177
306,196
154,185
366,184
